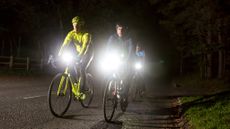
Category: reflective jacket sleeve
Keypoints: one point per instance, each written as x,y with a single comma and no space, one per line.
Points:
66,42
86,39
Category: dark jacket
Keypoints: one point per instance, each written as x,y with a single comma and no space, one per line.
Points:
124,45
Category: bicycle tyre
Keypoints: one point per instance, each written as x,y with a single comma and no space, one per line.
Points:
141,86
90,92
109,85
124,99
133,89
52,87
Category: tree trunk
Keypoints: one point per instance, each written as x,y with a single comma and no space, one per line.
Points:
209,55
3,47
45,53
40,49
181,63
11,47
220,52
220,64
19,46
60,22
59,16
203,67
202,61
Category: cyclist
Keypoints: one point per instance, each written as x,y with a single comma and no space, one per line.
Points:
121,42
140,57
140,52
80,42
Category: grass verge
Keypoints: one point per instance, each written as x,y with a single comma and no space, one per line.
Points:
207,112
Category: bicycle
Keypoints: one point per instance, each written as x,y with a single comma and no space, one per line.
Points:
115,87
137,88
63,86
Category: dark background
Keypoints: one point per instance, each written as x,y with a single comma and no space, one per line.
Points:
189,36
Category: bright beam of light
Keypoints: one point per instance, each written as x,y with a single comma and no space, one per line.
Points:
67,57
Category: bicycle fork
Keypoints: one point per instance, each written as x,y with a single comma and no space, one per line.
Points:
63,78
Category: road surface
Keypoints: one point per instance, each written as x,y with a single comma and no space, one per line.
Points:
23,105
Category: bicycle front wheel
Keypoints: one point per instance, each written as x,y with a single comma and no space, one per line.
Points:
110,100
89,91
139,87
59,95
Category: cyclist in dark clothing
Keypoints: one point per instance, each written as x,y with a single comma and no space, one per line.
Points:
122,44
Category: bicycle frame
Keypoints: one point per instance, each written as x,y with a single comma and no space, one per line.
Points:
75,88
119,82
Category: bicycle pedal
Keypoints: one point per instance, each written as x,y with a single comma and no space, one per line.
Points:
82,96
118,96
86,90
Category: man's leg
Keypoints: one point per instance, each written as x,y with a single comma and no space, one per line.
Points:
83,78
85,64
128,78
74,72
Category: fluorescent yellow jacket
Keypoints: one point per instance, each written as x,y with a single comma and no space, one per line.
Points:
80,41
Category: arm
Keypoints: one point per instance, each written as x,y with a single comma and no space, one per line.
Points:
109,44
143,55
66,42
86,40
130,49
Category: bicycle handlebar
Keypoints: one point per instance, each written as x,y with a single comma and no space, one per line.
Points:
53,61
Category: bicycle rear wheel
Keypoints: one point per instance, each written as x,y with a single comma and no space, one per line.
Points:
89,92
132,90
110,100
124,103
137,87
59,95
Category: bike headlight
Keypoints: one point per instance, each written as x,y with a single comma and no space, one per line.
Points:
138,65
111,62
67,57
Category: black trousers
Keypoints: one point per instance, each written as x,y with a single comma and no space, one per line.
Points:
80,70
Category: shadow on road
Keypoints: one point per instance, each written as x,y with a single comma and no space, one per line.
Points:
105,125
114,124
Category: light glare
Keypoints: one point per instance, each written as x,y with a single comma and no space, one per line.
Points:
67,57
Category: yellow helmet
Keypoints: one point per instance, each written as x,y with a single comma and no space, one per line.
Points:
78,20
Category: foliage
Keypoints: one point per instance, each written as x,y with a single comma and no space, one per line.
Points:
196,27
193,81
209,113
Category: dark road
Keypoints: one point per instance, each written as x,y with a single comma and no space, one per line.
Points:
24,106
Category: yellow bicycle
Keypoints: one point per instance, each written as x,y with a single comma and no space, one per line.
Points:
64,86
